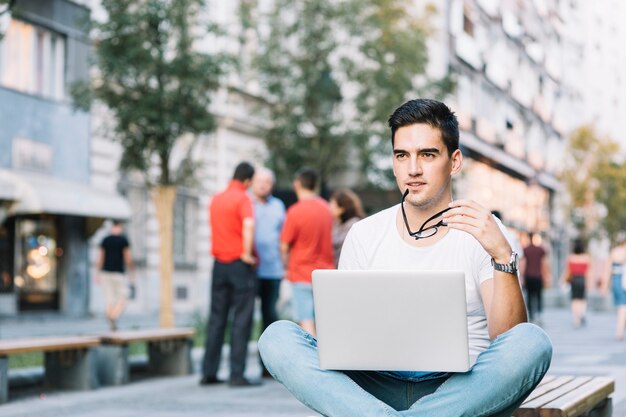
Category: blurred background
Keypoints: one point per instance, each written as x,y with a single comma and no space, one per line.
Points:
106,104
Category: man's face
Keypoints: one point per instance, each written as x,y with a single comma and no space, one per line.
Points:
421,164
262,184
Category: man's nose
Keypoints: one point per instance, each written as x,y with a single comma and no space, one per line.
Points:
415,167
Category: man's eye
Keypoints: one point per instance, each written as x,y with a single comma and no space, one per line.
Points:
428,155
400,155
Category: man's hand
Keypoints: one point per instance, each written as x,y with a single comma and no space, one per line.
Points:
248,259
471,217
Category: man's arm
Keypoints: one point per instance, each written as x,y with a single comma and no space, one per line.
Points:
128,259
99,264
546,274
248,241
502,295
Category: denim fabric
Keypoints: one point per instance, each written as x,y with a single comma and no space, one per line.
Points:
302,296
502,377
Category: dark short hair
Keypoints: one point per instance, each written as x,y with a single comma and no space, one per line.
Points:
243,171
308,178
579,246
431,112
350,203
117,222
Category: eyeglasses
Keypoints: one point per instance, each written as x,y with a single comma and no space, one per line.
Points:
423,231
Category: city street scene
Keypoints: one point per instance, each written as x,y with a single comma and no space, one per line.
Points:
172,173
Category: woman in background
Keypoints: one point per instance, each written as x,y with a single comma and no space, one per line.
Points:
346,208
577,273
614,276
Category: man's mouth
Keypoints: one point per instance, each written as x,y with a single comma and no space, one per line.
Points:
416,185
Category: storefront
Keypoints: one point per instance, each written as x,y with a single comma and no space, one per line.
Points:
44,232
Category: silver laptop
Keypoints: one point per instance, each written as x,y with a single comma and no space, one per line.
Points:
391,320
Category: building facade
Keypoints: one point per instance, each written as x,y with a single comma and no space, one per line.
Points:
48,206
513,105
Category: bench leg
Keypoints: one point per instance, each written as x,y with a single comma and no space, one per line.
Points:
4,379
170,357
71,369
604,409
113,365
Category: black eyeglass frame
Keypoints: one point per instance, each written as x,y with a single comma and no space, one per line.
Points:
420,233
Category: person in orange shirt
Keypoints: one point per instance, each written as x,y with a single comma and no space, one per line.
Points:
306,244
233,284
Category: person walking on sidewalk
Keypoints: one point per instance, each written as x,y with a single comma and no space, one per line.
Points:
269,216
306,244
113,258
536,272
233,284
614,276
577,274
428,230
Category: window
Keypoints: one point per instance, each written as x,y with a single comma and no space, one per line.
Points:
136,229
185,226
32,60
468,24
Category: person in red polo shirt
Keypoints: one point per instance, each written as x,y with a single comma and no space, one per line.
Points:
233,285
306,244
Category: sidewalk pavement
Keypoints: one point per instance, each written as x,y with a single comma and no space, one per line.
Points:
591,350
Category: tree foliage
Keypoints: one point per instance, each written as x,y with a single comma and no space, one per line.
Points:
155,83
595,178
333,71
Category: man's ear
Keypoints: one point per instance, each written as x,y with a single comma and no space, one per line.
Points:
457,161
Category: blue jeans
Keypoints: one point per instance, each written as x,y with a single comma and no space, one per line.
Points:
502,377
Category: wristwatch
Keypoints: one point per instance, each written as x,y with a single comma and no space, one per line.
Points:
510,268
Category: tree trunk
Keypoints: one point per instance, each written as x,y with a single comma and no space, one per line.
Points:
164,197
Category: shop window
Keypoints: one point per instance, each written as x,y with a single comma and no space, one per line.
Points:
185,226
6,257
36,278
32,60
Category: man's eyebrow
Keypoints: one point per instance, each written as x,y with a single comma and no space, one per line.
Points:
424,150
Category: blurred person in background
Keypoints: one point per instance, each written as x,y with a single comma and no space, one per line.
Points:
347,209
234,282
577,273
535,270
269,216
113,258
306,244
614,276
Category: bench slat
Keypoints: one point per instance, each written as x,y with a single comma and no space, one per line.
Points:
46,344
556,393
547,384
581,399
144,335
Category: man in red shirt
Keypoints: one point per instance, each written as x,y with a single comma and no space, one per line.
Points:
233,284
306,244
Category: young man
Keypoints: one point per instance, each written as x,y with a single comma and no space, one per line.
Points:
509,357
233,284
114,256
306,244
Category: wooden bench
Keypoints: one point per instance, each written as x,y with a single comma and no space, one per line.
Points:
69,362
169,353
569,396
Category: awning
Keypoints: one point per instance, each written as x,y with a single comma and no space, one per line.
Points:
36,194
8,191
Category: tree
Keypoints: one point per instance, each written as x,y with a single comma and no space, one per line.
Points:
595,178
390,69
5,15
333,71
301,83
157,88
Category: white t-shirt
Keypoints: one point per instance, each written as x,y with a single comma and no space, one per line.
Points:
374,243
